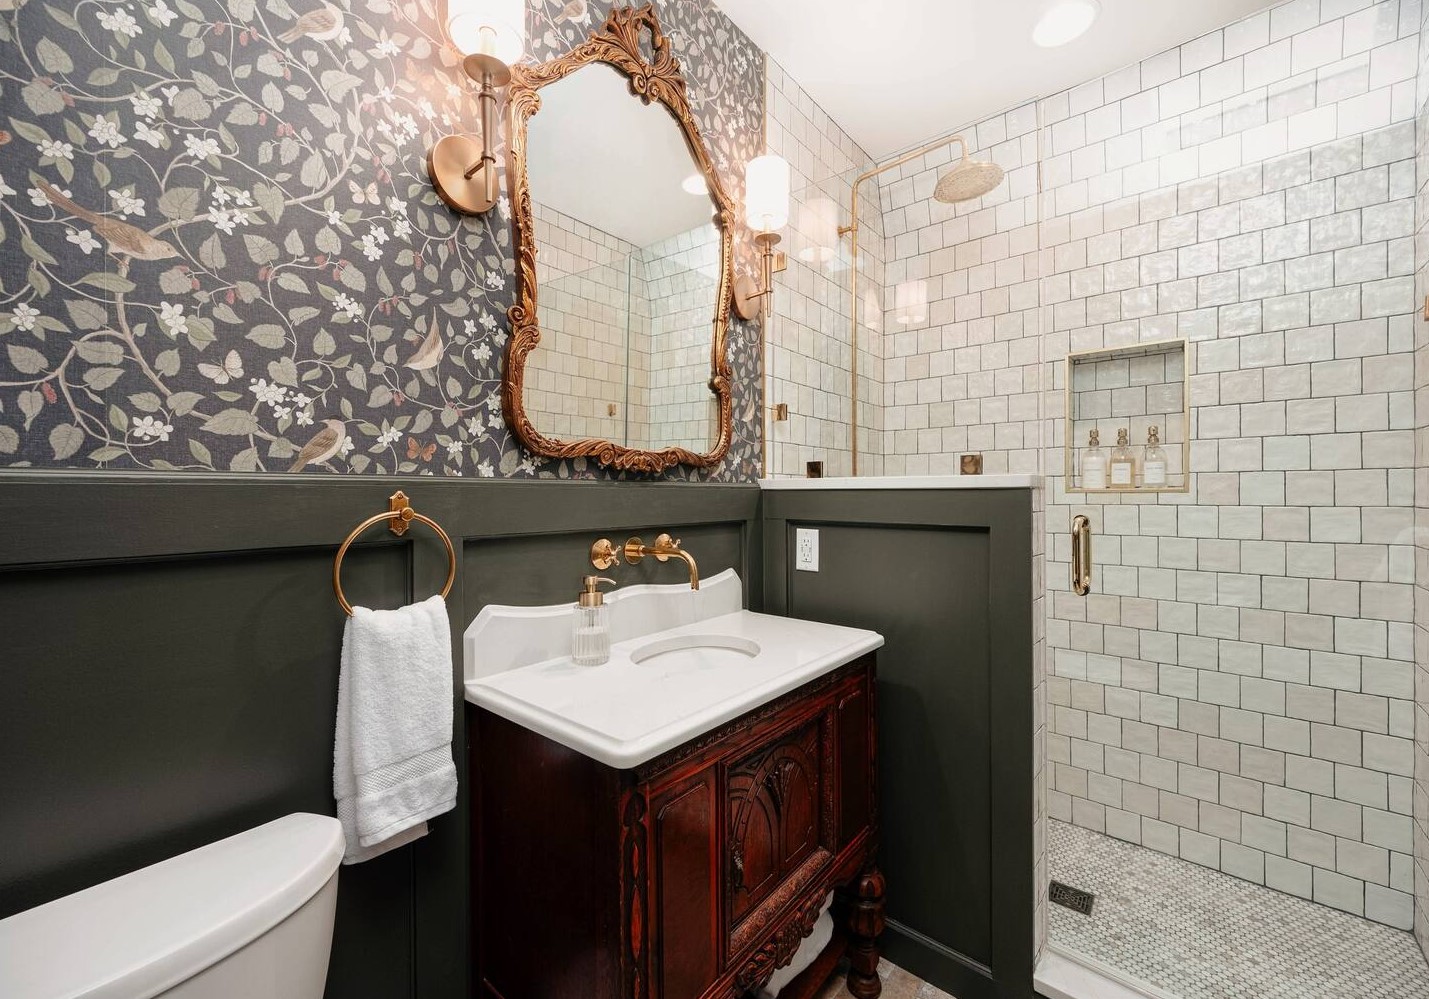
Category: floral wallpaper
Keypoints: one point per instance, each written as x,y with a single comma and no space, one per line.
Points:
219,249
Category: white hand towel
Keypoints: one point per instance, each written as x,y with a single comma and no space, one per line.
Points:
809,950
392,757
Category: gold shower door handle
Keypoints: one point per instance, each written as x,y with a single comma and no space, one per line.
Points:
1081,555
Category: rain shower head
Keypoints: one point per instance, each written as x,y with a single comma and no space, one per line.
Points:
969,179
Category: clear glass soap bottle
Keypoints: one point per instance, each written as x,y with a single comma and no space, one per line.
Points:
1153,463
1094,463
590,629
1122,467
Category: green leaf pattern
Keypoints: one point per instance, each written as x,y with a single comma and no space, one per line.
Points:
215,236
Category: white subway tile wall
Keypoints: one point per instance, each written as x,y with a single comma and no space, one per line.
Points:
963,363
808,346
1421,503
1239,689
624,328
682,279
594,303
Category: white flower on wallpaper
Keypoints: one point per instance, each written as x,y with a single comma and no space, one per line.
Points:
227,255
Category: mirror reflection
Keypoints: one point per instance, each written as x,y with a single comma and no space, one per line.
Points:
628,264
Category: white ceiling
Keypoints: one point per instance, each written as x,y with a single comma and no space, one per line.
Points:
597,153
895,73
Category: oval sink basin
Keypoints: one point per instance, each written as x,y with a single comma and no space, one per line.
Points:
695,650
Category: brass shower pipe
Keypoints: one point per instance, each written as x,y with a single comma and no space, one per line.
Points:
852,230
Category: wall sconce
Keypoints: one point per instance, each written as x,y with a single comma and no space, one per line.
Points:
819,228
766,210
491,34
910,303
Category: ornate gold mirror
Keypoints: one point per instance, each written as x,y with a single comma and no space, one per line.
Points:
625,231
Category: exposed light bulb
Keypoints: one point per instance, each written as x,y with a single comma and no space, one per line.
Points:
1065,21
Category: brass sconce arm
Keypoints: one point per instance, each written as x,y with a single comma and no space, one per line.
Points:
751,299
463,171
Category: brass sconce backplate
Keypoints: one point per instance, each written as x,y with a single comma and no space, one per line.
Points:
447,164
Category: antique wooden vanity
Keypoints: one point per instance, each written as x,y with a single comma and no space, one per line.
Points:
692,876
670,825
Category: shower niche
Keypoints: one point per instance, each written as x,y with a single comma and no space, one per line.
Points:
1136,400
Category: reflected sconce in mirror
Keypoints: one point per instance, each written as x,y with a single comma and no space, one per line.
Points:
491,35
910,303
819,229
766,210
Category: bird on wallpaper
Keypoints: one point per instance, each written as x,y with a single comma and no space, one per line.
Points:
429,354
321,25
123,238
577,12
325,444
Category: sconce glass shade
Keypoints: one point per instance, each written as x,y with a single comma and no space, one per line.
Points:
766,193
494,28
818,230
910,303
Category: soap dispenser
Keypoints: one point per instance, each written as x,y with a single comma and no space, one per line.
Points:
590,635
1094,463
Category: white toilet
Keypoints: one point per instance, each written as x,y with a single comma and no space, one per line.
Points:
247,916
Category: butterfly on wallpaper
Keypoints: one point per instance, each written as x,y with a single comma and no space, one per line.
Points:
415,449
361,195
222,374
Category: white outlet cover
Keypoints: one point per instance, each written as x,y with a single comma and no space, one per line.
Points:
806,549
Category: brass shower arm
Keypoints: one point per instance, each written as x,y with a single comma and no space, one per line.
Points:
844,230
852,230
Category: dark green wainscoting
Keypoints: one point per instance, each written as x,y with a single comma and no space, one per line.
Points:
946,577
168,668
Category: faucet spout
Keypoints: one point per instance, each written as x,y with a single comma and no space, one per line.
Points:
664,549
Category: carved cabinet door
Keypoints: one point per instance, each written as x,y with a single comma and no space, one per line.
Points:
775,810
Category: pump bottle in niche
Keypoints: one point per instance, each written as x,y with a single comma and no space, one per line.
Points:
1153,464
1122,468
1094,463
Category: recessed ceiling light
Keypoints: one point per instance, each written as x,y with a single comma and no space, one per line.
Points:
1065,21
695,184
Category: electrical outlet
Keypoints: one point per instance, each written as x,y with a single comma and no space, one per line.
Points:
806,549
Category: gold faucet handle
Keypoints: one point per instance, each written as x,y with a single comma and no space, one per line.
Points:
603,554
665,543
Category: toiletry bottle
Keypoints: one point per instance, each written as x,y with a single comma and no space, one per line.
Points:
1094,463
1122,467
1153,465
590,637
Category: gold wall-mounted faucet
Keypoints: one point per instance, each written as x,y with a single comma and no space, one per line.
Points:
604,554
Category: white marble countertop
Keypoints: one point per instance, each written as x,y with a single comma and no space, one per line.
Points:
907,482
625,712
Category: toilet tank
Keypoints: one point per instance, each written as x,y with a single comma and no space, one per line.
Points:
250,915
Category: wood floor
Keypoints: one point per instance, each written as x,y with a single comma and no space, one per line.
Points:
897,984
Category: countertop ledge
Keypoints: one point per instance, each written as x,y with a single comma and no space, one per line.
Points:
906,482
626,713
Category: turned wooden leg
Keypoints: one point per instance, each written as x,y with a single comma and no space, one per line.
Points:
865,925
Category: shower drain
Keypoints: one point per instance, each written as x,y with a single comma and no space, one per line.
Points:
1072,898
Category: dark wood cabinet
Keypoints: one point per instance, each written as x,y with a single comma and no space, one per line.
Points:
693,876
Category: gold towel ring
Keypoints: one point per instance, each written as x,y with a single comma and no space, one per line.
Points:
401,514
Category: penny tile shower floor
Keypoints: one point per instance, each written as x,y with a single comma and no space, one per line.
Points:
897,984
1200,934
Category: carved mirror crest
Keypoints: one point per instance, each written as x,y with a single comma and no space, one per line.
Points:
624,229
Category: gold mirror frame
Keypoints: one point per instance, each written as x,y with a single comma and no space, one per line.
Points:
618,44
